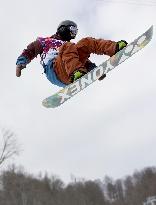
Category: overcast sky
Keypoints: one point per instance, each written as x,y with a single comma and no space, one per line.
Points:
107,129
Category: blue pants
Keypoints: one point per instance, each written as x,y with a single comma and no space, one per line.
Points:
51,75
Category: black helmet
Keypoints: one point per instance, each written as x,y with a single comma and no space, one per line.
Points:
67,30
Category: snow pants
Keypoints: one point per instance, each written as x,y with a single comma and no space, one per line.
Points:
73,56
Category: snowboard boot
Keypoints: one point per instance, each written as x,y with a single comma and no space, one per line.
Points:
102,77
90,66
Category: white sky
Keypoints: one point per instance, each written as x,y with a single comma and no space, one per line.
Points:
108,129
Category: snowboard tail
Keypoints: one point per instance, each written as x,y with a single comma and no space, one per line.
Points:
69,91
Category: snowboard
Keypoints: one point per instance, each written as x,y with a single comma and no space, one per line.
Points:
69,91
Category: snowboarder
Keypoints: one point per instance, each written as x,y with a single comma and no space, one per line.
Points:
63,61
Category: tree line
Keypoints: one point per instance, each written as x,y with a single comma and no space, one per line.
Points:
17,187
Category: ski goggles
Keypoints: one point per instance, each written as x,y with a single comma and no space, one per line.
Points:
73,31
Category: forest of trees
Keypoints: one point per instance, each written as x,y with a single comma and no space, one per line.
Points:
17,187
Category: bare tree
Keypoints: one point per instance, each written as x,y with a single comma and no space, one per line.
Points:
8,145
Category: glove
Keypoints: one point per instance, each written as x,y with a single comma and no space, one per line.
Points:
77,74
21,64
18,69
120,45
